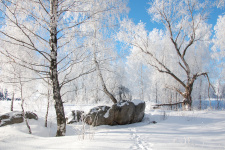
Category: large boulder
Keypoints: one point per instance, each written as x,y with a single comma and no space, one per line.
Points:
124,112
139,110
100,115
11,118
74,116
31,115
15,117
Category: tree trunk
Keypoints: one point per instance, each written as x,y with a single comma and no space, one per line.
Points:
189,102
200,96
46,115
61,121
142,85
187,105
12,101
176,102
156,94
23,112
200,102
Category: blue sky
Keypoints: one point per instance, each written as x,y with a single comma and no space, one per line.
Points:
138,11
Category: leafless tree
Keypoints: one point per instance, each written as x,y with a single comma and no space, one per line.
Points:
185,28
169,16
51,31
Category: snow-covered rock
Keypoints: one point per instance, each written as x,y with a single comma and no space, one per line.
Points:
100,115
74,116
139,110
121,113
15,117
11,118
31,115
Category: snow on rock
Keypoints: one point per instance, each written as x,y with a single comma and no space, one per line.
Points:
11,118
98,116
122,103
69,117
107,114
124,112
98,108
137,101
15,117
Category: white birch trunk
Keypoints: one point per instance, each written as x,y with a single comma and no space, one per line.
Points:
23,112
12,101
60,115
46,115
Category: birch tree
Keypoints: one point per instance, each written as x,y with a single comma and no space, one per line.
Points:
53,32
102,46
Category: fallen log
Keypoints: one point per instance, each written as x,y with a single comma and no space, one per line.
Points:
170,104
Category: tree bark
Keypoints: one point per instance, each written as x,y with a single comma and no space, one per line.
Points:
156,94
187,97
46,115
61,121
187,105
12,101
200,96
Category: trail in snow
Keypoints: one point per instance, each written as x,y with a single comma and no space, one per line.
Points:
139,143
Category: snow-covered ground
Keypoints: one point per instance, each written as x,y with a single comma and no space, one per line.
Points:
188,130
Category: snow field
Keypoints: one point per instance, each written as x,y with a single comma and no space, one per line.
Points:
179,130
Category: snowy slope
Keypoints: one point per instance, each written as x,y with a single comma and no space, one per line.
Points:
194,130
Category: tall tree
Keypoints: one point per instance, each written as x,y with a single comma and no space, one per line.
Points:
51,31
181,45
